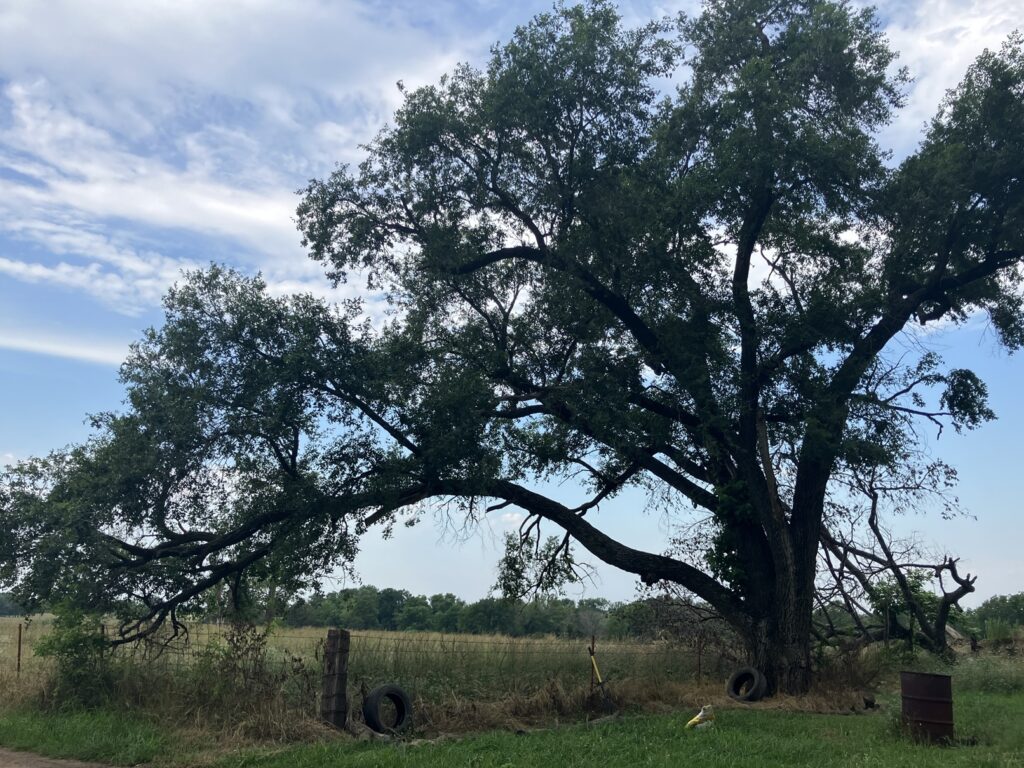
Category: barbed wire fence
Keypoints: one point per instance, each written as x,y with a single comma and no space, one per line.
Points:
430,666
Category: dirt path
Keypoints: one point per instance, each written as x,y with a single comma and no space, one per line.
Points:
9,759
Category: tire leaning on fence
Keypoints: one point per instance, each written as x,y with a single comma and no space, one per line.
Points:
401,701
746,684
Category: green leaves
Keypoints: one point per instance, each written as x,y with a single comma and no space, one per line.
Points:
589,279
536,567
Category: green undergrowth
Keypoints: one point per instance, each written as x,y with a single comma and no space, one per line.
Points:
987,726
989,673
987,729
96,736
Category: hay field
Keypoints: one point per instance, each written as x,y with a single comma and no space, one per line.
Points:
428,664
31,631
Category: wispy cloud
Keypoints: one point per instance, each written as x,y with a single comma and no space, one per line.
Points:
128,127
122,124
937,41
85,349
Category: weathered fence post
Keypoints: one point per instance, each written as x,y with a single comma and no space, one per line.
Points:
334,700
700,655
18,674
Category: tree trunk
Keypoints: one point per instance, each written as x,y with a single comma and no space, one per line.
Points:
779,638
782,653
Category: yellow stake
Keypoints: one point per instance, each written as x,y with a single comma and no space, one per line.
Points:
596,670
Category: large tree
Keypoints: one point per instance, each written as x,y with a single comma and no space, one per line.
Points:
699,290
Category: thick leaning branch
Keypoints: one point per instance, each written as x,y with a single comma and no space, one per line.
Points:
649,567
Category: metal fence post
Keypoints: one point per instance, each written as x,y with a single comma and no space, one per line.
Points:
18,673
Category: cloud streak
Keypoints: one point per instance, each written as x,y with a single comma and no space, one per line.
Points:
88,350
141,139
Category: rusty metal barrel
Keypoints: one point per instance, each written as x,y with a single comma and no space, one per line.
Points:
927,705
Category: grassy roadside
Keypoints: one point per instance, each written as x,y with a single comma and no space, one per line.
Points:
105,737
988,722
747,737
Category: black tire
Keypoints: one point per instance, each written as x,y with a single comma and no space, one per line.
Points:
746,684
399,698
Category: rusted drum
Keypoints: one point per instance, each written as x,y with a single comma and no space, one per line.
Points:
927,705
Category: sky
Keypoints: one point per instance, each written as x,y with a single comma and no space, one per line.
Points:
140,139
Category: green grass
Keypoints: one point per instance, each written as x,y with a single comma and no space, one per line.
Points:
106,737
472,683
749,737
987,725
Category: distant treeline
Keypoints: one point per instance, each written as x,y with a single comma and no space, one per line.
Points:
7,605
369,608
1004,609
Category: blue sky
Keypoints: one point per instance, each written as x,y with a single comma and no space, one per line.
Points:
138,139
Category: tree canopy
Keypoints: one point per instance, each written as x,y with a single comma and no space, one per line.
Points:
707,288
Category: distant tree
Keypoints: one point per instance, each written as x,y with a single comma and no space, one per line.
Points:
303,613
389,606
8,606
1004,608
415,614
492,615
547,616
592,617
360,608
700,293
637,619
446,610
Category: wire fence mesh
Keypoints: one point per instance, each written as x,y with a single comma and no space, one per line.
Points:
428,665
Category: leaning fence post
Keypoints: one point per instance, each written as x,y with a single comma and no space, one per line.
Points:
593,646
18,674
334,699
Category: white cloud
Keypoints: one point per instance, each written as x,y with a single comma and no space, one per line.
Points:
128,122
124,278
510,519
937,41
82,169
90,350
251,49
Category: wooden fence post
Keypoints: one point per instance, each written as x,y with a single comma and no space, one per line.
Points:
700,655
19,650
334,699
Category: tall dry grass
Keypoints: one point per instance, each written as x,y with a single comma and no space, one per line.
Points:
253,684
266,686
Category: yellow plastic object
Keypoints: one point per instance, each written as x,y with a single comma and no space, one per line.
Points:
597,672
704,719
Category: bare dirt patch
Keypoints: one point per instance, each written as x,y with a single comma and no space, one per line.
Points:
9,759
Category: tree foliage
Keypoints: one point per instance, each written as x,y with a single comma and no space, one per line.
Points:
706,293
1008,609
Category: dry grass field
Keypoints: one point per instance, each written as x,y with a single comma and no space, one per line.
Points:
219,699
429,661
459,682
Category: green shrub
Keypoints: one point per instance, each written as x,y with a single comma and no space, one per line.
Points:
999,632
988,674
83,674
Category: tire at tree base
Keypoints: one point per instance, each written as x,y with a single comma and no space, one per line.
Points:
398,697
743,675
